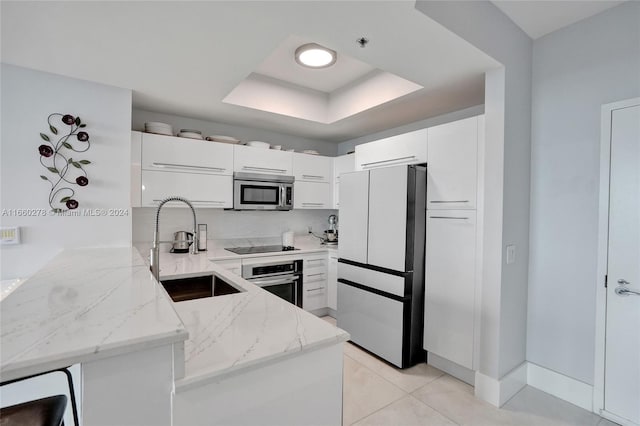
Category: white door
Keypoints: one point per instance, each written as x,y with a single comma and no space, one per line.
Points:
622,353
387,217
354,216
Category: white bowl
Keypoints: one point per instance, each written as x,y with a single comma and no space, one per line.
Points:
190,135
223,139
276,147
311,151
259,144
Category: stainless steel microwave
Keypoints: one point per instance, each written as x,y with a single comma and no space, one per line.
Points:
257,191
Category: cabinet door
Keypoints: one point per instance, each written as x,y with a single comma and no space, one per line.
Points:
408,148
136,163
450,285
201,190
256,160
354,216
388,217
341,164
312,168
311,195
332,281
452,173
168,153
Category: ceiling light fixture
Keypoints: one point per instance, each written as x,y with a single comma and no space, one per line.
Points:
313,55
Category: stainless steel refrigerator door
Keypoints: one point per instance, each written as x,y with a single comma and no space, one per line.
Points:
387,217
374,322
354,206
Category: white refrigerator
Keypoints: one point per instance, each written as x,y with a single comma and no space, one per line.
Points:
381,261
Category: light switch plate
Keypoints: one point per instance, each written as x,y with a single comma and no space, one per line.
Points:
511,254
9,235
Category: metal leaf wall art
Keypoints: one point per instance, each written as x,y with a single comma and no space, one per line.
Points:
57,157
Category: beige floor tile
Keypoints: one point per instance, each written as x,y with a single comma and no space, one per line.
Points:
408,379
407,411
364,392
447,383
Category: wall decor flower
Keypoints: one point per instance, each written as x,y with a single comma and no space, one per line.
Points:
56,157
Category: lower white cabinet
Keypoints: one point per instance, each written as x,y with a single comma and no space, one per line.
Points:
314,282
450,282
312,195
332,280
201,190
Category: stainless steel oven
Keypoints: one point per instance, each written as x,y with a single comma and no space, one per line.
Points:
256,191
282,278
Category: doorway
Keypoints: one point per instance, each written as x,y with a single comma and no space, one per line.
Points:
617,384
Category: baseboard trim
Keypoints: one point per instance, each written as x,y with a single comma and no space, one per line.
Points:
498,392
561,386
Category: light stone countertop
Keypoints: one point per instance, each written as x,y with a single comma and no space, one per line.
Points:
84,305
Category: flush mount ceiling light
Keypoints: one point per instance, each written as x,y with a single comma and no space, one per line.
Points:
313,55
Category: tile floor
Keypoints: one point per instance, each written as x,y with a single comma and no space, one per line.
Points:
375,393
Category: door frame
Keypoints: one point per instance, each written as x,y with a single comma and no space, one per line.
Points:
603,243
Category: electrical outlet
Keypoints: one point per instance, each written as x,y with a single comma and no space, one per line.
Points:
10,235
511,254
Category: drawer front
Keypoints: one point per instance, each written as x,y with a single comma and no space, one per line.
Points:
315,262
316,277
314,296
201,190
255,160
378,280
374,322
184,155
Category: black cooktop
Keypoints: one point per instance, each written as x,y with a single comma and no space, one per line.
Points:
259,249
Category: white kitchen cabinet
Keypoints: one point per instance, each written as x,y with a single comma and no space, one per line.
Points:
354,216
332,280
202,190
249,159
450,285
136,169
312,168
168,153
341,164
314,282
452,174
407,148
312,195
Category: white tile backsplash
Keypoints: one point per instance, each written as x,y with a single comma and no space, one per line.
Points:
228,224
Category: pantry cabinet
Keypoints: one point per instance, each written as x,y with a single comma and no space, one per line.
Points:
202,190
312,168
452,173
407,148
450,285
256,160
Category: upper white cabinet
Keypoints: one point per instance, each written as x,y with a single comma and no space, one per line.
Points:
202,190
408,148
341,164
452,172
312,195
312,168
255,160
168,153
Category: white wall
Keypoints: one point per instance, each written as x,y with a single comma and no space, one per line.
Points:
228,224
575,71
507,163
28,97
350,145
244,133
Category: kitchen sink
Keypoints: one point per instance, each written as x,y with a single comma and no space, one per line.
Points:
182,289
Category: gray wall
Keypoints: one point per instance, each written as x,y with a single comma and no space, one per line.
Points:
575,71
507,163
348,146
244,133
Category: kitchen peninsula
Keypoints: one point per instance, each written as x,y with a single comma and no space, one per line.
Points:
103,309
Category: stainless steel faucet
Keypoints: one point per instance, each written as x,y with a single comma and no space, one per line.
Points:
155,250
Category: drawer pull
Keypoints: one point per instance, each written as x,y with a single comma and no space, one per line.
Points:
448,217
448,202
315,289
264,169
184,166
315,275
312,177
313,204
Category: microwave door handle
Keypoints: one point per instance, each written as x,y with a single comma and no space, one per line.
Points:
282,196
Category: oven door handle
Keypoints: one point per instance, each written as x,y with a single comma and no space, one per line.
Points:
289,279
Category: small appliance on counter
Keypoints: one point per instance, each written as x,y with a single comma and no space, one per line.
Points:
182,240
331,234
287,240
202,237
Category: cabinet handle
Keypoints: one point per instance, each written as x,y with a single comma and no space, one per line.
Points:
410,157
313,204
447,202
199,201
315,289
448,217
315,275
313,177
315,260
184,166
263,169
